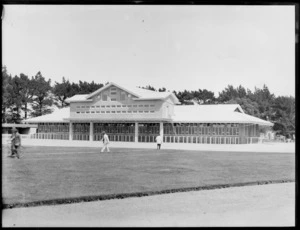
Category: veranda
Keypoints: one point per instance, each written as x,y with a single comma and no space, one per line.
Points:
198,133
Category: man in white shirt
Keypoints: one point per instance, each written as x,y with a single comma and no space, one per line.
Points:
105,142
158,141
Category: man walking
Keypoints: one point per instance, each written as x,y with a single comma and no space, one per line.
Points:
105,142
15,143
158,141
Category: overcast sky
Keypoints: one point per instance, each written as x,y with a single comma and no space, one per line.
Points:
177,47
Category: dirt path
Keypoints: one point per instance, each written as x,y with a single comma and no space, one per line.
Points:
262,205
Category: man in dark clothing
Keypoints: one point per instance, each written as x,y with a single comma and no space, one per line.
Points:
15,143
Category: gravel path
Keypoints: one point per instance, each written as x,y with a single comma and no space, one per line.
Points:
261,205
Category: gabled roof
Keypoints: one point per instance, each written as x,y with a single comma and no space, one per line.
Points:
140,94
220,113
145,94
183,113
107,86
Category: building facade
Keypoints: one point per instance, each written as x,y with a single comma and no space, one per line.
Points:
139,115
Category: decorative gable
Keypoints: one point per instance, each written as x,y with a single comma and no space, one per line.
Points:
113,93
112,90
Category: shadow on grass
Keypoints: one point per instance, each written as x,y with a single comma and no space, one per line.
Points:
135,194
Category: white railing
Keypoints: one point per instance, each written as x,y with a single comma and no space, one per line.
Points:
146,138
202,139
116,137
51,136
210,139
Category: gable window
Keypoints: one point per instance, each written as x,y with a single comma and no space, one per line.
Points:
122,98
113,99
104,98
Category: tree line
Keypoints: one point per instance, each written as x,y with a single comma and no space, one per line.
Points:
24,97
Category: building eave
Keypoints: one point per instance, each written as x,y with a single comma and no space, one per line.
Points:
117,120
147,98
24,125
87,100
47,121
223,121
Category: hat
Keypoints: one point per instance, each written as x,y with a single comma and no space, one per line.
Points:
14,129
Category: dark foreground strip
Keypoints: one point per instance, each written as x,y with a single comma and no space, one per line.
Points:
136,194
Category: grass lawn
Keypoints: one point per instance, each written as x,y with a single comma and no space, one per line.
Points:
46,173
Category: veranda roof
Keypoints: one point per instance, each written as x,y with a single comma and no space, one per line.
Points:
57,116
225,113
182,114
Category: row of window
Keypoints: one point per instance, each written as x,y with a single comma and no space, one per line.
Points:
114,128
118,111
209,129
148,128
105,97
201,130
81,128
53,128
111,106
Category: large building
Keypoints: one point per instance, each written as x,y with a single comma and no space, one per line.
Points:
139,115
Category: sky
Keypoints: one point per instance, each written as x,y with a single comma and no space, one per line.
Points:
179,47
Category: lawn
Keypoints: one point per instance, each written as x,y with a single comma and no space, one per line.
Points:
45,173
